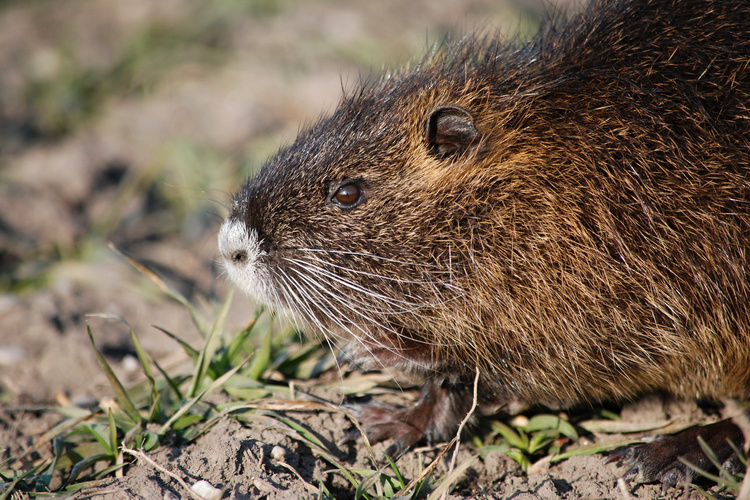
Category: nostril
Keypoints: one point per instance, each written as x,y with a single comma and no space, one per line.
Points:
239,257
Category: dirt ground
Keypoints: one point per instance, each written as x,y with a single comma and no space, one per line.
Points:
132,122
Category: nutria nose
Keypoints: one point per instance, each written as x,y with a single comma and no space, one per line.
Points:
239,257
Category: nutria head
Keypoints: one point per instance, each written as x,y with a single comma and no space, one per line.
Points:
358,226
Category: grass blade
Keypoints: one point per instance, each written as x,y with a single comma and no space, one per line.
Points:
236,344
113,435
515,438
5,495
396,471
592,450
210,388
262,359
80,466
103,442
189,350
208,351
449,480
154,413
318,446
552,422
121,396
174,386
145,361
57,446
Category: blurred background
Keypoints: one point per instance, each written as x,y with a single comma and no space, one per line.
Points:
133,122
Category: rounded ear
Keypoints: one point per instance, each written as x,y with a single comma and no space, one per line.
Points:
450,130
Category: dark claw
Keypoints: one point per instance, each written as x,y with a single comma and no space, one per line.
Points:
396,450
671,478
632,471
621,455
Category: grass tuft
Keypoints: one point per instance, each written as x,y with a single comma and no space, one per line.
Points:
528,440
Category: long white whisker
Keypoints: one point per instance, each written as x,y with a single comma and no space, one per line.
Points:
329,308
379,276
321,272
300,306
367,307
368,255
347,305
438,286
360,339
367,313
306,292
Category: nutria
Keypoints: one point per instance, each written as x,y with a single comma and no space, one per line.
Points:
569,216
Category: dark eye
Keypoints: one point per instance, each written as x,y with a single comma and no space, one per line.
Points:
348,195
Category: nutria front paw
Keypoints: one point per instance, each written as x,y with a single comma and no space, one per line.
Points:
382,421
659,460
433,418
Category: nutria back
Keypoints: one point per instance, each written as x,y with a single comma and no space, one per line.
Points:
571,215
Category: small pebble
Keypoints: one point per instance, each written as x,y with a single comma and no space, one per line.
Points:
8,302
85,401
519,421
130,363
278,453
206,490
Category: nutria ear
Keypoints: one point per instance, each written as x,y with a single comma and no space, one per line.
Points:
450,130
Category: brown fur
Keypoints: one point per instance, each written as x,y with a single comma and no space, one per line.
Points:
591,243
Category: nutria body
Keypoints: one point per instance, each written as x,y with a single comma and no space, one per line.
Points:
570,216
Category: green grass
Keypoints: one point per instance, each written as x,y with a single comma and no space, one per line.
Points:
91,446
88,445
141,416
526,440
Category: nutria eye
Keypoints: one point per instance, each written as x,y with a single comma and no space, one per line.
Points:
348,195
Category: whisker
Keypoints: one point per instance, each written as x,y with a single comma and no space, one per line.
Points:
349,306
312,300
294,301
363,310
330,309
370,256
320,271
438,286
379,276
